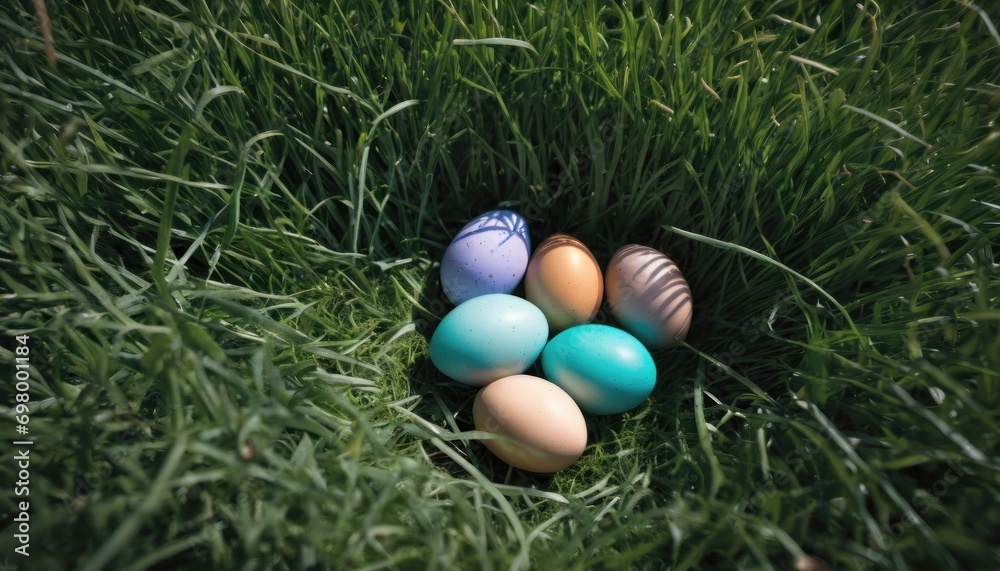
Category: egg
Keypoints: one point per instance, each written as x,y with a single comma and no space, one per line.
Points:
543,430
564,280
604,369
488,337
648,295
488,255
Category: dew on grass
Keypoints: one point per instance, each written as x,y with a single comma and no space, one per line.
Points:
937,394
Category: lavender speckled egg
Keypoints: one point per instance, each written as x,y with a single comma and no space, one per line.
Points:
489,255
648,295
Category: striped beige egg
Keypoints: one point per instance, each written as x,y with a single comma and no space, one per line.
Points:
648,295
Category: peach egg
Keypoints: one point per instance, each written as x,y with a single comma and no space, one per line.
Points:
564,280
541,428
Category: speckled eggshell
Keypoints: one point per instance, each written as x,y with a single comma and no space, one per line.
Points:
564,281
545,430
487,338
489,255
604,369
648,295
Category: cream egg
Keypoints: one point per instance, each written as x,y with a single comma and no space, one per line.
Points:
648,295
541,428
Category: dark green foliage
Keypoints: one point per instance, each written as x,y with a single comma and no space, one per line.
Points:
219,225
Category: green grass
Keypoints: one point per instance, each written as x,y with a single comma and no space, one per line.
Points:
220,225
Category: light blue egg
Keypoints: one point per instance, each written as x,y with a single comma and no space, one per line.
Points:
489,255
489,337
604,369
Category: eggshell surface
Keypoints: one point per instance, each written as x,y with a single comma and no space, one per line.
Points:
488,255
488,337
648,295
564,280
545,428
604,369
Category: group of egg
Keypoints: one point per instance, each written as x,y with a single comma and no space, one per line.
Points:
491,337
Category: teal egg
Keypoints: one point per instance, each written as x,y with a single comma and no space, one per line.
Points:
487,338
604,369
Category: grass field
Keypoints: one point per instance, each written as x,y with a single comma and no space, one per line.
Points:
219,233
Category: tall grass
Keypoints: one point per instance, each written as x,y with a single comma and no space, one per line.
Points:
221,224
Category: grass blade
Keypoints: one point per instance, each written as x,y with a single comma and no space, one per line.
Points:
504,42
890,125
